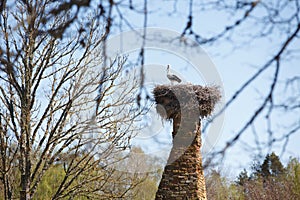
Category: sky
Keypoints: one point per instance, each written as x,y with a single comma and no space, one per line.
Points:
234,63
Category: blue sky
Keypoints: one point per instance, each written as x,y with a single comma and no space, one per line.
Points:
235,62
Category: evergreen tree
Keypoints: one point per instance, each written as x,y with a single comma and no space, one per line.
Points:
276,167
265,167
242,177
271,166
269,180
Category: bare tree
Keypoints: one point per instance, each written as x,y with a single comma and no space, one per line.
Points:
57,108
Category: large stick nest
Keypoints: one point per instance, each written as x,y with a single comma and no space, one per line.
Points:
172,100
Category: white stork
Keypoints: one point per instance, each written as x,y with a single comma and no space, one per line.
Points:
172,77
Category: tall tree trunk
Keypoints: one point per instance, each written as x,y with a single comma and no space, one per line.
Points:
25,138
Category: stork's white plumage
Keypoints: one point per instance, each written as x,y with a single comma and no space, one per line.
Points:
172,77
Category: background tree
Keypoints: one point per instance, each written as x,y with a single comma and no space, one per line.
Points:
293,175
220,187
49,119
146,168
271,166
256,185
242,177
268,181
217,184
